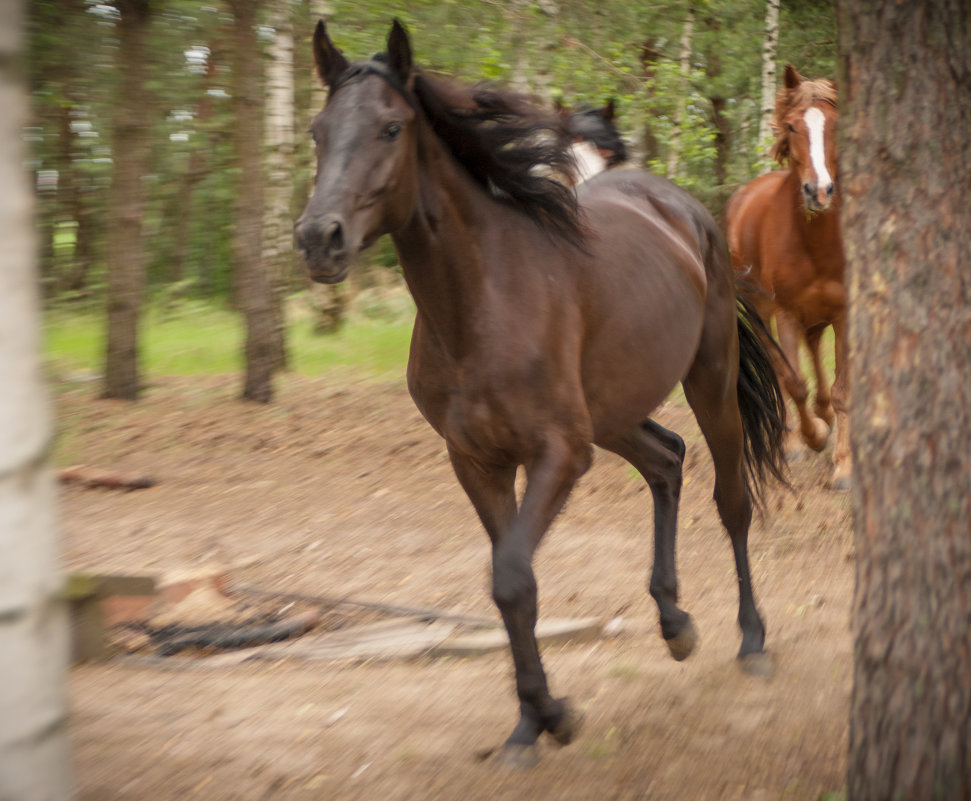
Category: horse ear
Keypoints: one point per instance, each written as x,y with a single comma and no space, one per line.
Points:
791,78
329,59
399,52
607,112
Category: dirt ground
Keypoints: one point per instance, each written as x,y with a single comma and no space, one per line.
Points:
341,488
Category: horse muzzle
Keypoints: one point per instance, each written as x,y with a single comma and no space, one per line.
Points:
818,197
323,244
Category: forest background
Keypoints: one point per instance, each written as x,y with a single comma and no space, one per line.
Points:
169,155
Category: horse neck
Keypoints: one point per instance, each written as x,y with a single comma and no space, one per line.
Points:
439,247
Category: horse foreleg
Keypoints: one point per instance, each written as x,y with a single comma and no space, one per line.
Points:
842,467
515,537
823,404
658,455
813,431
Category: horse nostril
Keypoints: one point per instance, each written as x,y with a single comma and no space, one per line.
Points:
808,189
830,188
334,237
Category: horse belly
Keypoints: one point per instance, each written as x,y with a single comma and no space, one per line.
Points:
645,332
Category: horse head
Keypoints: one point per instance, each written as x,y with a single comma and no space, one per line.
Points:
805,126
365,141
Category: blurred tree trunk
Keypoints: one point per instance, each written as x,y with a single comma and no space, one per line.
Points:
34,760
769,47
196,170
280,169
126,253
905,173
674,148
253,293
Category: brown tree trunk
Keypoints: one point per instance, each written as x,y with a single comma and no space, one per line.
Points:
906,171
126,255
252,283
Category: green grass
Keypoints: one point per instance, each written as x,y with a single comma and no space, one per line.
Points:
196,338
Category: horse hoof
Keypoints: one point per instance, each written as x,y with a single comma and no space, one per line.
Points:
757,664
682,644
840,483
518,756
570,722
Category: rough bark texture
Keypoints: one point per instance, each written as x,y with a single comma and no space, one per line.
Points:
34,761
906,172
126,254
253,286
769,46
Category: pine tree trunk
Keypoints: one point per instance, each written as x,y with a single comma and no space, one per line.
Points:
279,171
769,46
34,760
906,171
252,283
126,255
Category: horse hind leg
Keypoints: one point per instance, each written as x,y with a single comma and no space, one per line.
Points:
711,390
658,455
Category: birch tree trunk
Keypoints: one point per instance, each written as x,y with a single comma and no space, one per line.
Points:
34,764
769,47
279,169
674,149
905,170
126,252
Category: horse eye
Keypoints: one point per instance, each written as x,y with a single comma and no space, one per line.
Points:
391,131
792,128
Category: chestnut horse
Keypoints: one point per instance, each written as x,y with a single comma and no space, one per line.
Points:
785,239
547,320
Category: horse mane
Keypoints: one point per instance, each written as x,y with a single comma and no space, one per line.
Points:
789,101
513,148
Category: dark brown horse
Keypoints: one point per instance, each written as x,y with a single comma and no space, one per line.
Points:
597,144
546,321
784,234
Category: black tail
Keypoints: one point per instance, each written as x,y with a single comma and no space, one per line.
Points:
761,404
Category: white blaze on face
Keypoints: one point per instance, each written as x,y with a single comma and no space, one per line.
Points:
816,123
589,161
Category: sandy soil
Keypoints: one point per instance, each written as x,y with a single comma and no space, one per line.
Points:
341,488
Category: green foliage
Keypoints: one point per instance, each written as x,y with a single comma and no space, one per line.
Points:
579,52
200,338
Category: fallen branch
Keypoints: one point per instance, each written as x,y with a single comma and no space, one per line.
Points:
93,477
328,602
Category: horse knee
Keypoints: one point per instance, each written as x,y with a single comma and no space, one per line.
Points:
513,581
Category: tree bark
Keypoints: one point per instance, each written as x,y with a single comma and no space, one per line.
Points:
126,253
279,170
770,45
905,168
34,761
253,286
